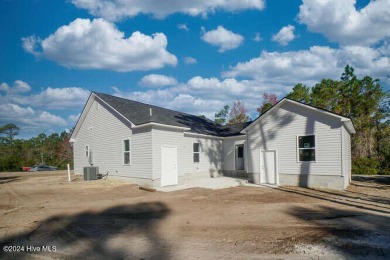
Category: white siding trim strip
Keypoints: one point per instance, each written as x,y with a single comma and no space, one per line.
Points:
162,125
239,137
202,135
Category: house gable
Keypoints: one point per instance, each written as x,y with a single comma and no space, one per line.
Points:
345,120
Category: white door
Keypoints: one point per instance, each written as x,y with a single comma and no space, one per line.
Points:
240,157
268,167
168,165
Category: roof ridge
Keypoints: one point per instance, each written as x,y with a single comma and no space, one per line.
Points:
95,92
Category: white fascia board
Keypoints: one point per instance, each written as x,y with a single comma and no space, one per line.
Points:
161,125
203,135
238,137
348,124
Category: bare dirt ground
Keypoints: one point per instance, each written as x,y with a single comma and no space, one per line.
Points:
108,219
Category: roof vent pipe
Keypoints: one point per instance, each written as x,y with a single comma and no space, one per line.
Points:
150,111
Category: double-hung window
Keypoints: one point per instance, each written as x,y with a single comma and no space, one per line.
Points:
306,148
196,151
126,152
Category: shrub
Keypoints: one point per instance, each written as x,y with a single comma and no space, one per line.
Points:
366,166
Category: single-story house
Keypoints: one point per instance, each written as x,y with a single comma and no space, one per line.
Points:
291,144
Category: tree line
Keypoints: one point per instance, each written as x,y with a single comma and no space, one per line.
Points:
54,150
363,100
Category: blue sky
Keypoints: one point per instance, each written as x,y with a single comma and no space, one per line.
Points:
192,56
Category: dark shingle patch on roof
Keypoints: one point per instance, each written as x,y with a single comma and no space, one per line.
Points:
139,113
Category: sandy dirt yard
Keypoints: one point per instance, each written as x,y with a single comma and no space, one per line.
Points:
42,216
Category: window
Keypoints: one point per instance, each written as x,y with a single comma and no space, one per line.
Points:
306,148
240,151
86,151
126,151
196,149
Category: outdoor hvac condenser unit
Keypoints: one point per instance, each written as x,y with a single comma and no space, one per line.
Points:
91,173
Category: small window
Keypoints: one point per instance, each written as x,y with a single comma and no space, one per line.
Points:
306,148
86,151
196,150
126,151
240,151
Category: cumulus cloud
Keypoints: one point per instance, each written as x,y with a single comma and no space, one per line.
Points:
222,38
31,45
45,111
257,37
204,96
285,35
98,44
183,26
52,98
157,80
310,66
341,22
115,10
18,87
72,119
29,119
190,60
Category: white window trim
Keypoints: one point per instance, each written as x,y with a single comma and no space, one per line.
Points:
315,148
123,151
195,152
86,150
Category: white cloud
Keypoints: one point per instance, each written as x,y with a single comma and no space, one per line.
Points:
115,10
222,38
285,35
157,80
190,60
204,95
31,44
32,112
49,98
310,66
28,119
98,44
341,22
18,87
54,98
257,37
183,26
72,119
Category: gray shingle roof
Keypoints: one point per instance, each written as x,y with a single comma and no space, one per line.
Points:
139,113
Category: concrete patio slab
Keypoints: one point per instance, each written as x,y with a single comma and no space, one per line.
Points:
206,182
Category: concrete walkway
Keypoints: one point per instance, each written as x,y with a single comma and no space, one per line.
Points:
205,182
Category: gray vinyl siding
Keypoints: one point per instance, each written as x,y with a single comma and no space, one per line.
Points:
104,132
210,152
228,152
346,156
279,130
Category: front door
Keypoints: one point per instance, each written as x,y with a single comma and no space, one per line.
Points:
268,167
240,165
168,165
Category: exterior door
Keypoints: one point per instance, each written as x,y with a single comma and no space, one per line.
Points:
240,165
168,165
268,167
